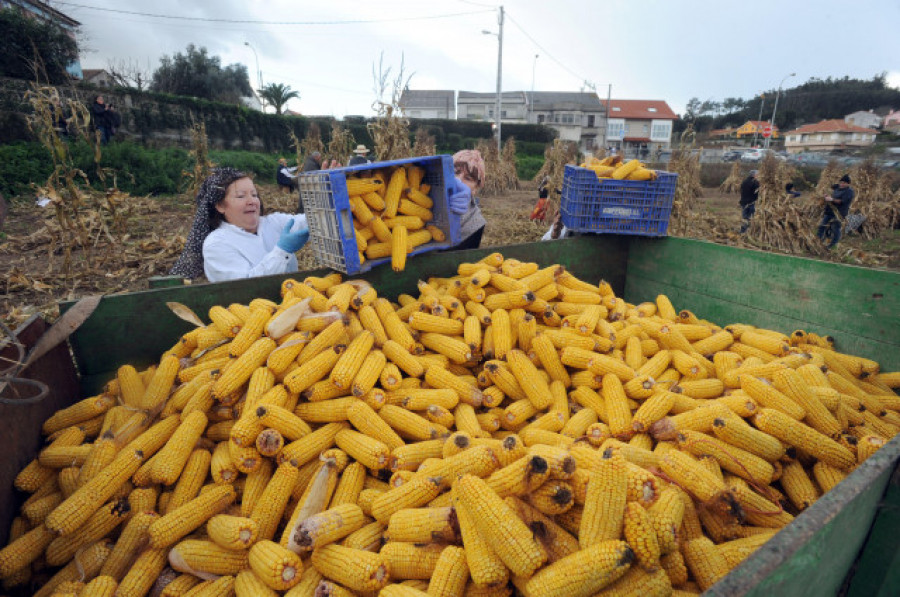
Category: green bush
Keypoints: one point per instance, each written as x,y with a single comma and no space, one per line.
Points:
527,166
22,163
534,148
262,165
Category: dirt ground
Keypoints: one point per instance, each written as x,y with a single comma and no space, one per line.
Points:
33,279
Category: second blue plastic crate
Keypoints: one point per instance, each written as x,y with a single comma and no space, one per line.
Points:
592,204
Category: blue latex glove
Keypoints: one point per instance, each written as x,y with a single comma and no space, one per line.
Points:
460,196
291,242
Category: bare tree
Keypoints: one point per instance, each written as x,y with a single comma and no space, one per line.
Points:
128,72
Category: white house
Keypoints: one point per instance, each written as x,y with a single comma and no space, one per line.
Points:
640,127
429,103
828,135
471,105
869,120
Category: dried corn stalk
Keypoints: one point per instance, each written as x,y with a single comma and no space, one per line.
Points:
732,184
424,144
686,163
500,169
874,198
202,164
390,129
341,145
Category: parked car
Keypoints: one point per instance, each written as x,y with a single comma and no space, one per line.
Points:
732,155
808,159
757,155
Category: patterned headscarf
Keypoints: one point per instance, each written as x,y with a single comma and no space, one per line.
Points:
212,191
470,163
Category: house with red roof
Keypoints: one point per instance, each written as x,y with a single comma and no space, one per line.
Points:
828,135
639,127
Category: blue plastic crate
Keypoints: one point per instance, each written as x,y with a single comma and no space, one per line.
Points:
591,204
327,207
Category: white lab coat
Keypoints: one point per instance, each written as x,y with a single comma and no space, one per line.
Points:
230,252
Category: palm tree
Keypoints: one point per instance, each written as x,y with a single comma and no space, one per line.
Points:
278,94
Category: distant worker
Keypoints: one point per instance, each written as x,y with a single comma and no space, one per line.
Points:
286,177
232,238
791,193
360,156
312,162
837,206
469,168
539,213
749,195
102,119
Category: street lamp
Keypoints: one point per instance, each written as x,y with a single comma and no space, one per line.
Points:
531,102
258,72
762,101
775,109
499,75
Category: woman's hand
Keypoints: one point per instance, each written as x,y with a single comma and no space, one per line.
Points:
460,196
291,242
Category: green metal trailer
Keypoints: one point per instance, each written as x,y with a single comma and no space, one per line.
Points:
846,543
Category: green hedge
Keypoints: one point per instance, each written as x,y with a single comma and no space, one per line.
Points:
137,169
527,166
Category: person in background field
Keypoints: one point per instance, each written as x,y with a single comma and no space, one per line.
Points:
312,162
838,204
791,193
469,168
539,213
232,238
286,177
359,156
100,116
749,195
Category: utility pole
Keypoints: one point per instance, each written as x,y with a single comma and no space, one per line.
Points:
606,118
531,101
500,82
499,103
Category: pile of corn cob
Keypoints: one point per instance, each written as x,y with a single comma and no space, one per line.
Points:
616,168
391,213
510,428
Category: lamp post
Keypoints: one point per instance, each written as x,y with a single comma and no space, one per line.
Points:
499,76
762,101
775,109
258,72
531,101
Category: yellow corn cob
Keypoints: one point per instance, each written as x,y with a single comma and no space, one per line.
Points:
23,551
799,435
798,486
202,558
101,586
181,521
131,388
314,369
582,573
604,501
161,384
174,455
410,560
827,476
248,584
143,573
356,569
451,572
288,424
103,521
410,456
641,536
232,532
410,425
736,432
552,498
733,459
423,525
690,475
704,561
868,445
503,530
130,542
413,494
78,413
271,504
366,420
277,567
79,507
86,566
484,564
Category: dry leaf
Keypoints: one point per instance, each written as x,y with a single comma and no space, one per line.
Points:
184,312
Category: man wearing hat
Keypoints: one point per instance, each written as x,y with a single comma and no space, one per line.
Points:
837,206
286,177
749,195
359,156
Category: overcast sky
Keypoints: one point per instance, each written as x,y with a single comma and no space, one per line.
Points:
659,49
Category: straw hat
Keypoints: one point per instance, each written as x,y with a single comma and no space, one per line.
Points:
361,150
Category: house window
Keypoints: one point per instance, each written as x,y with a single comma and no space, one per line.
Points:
651,109
616,109
503,114
818,137
591,122
646,128
491,113
540,119
615,129
660,130
567,118
835,136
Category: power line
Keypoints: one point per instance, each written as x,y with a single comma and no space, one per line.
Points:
289,23
544,50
